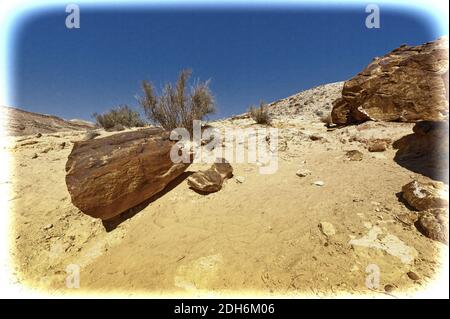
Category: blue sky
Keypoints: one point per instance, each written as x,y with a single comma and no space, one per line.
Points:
249,54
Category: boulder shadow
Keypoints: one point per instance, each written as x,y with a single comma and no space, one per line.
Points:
112,223
425,154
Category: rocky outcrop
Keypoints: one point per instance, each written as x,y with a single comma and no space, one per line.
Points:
409,84
211,180
423,196
107,176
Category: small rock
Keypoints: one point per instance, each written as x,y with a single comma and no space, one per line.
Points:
319,183
327,229
377,146
303,172
239,179
389,288
413,276
62,145
38,135
34,156
354,155
46,150
47,227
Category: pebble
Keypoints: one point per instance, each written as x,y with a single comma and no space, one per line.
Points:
319,183
303,172
389,288
34,156
413,276
47,227
327,229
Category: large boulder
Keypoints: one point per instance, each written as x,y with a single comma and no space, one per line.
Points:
423,196
107,176
409,84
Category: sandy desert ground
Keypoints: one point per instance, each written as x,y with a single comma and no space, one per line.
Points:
264,235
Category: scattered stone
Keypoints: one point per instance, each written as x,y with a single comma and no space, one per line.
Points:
412,275
34,156
408,219
433,223
38,135
46,150
389,288
423,196
29,143
327,229
319,183
47,227
354,155
211,180
377,146
62,145
303,172
240,179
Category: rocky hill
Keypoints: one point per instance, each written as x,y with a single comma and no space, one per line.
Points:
20,122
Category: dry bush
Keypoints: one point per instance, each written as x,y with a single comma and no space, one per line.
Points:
260,114
178,105
122,116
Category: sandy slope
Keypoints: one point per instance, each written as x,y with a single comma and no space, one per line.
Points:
261,236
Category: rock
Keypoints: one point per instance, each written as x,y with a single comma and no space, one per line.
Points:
423,196
240,179
377,146
327,229
34,156
62,145
46,150
109,175
211,180
389,288
408,84
412,275
433,223
354,155
303,172
319,183
47,227
38,135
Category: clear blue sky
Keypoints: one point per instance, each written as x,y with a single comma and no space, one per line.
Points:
249,54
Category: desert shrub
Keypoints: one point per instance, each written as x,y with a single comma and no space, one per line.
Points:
260,114
122,116
179,104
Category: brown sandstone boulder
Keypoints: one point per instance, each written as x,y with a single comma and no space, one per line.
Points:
107,176
433,223
408,84
211,180
423,196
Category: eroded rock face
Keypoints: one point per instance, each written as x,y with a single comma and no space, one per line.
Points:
107,176
433,223
211,180
423,196
409,84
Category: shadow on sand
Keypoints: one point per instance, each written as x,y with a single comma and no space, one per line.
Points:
112,223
